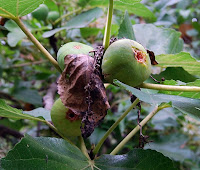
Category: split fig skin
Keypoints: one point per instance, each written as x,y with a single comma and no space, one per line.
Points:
127,61
67,122
71,48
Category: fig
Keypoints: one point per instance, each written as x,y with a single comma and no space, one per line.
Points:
41,12
66,121
71,48
127,61
52,16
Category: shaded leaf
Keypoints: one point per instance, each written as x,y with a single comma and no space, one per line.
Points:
182,59
78,21
175,73
184,104
126,30
28,96
163,119
157,39
40,112
172,146
137,159
10,112
53,153
18,8
15,34
82,91
44,153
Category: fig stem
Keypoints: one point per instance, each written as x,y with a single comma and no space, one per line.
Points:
137,128
106,40
98,146
83,147
55,129
37,43
170,87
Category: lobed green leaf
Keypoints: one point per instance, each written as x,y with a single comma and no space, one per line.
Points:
184,104
18,8
182,59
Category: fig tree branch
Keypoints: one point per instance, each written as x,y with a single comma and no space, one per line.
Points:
96,149
37,43
170,87
107,32
83,147
137,128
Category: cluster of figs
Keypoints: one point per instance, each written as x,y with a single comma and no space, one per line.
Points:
125,60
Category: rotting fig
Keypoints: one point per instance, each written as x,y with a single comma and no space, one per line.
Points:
71,48
66,121
127,61
41,12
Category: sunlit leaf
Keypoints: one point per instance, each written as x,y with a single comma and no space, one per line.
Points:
182,59
18,8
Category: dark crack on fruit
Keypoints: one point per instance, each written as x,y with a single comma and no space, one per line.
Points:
70,115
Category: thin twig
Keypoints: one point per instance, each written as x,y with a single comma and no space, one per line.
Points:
96,150
170,87
136,129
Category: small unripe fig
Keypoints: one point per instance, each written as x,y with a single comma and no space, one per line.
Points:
66,121
52,16
41,12
127,61
71,48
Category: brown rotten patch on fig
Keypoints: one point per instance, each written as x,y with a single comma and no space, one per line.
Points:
81,90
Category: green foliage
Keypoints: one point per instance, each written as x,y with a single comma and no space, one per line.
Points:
170,29
54,153
182,59
18,8
10,112
186,105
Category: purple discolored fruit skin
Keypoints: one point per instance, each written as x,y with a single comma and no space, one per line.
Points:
127,61
67,123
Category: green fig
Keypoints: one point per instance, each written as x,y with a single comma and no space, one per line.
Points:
52,16
41,12
127,61
66,121
71,48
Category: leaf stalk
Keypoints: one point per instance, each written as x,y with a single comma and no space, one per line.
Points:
37,44
137,128
98,146
107,32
